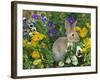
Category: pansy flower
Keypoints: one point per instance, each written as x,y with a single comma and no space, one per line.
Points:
83,32
50,24
79,52
52,32
71,20
74,60
43,18
35,54
35,16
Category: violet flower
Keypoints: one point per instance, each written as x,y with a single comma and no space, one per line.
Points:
50,24
71,20
44,19
52,32
35,16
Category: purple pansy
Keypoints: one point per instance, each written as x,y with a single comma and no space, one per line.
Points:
71,20
52,32
44,19
35,16
50,24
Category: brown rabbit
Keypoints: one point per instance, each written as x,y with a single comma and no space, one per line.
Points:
61,44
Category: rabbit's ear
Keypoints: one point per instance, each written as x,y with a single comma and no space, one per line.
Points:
67,26
74,24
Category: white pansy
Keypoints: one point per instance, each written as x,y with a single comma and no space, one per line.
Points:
68,60
78,49
74,60
61,63
33,28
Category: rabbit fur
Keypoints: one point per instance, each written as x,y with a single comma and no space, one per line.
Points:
60,45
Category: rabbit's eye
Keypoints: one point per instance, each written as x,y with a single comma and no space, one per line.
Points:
72,34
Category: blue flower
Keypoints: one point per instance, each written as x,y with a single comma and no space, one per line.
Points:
52,32
44,19
50,24
35,16
25,34
71,20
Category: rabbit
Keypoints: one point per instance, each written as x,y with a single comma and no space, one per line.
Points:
60,45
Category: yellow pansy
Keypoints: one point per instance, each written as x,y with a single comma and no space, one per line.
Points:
83,32
84,50
37,62
37,36
87,43
35,54
34,43
36,33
